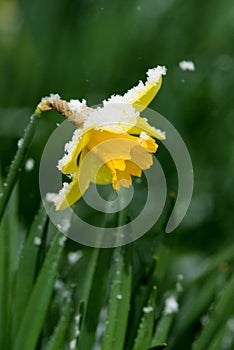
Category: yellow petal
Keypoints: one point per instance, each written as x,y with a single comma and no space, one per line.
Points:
141,157
133,169
108,146
119,164
123,178
71,166
146,95
142,125
149,144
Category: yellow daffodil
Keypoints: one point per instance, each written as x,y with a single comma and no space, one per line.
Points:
111,144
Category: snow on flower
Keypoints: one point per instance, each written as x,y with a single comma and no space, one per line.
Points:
112,142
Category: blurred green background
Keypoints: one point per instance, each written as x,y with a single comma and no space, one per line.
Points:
92,49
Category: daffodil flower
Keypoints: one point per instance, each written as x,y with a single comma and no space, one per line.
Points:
111,144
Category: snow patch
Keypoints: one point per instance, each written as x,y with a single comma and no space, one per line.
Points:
29,165
148,309
154,74
171,305
20,143
187,65
51,98
119,296
76,106
62,241
73,257
37,241
57,198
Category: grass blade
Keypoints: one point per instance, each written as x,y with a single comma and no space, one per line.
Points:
26,271
220,314
75,327
191,316
158,347
119,301
57,339
164,325
8,258
95,301
34,315
212,265
219,339
144,335
85,287
18,162
139,299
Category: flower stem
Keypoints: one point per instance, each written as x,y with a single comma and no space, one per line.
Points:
18,162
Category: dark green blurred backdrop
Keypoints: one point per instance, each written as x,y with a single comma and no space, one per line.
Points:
92,49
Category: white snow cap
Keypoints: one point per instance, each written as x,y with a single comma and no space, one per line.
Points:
154,74
51,98
76,106
56,198
112,116
115,99
187,65
153,77
69,148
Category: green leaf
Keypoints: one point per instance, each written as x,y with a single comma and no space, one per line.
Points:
75,326
119,301
18,162
158,347
57,339
140,297
213,263
95,301
219,339
86,284
3,291
26,271
221,312
164,325
35,312
144,335
192,316
8,259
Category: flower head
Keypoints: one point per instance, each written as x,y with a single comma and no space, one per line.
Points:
111,144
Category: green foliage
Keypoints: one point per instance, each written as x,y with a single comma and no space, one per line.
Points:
144,334
37,313
119,301
93,49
